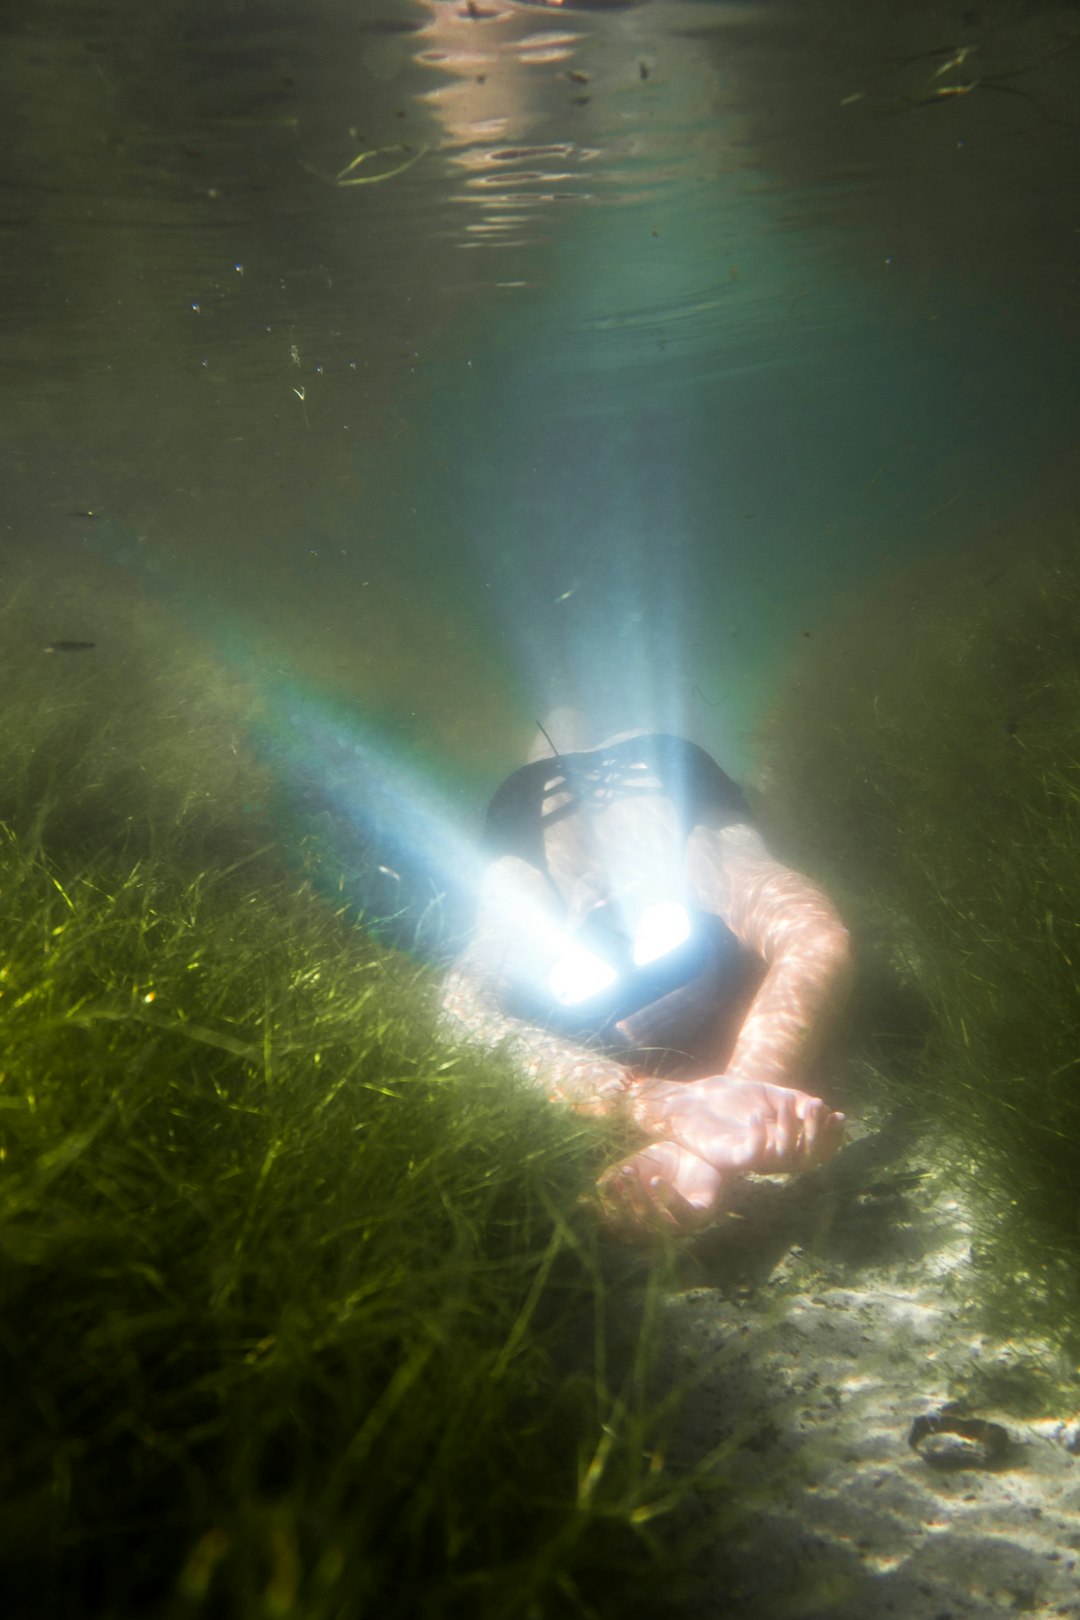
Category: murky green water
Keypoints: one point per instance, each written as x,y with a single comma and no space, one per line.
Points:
377,374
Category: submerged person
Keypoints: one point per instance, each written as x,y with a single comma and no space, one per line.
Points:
640,951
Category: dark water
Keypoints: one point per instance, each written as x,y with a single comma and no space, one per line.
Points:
443,361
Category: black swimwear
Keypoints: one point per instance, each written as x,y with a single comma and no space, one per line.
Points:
685,773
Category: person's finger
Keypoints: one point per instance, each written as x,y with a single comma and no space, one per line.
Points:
673,1210
813,1124
624,1208
753,1150
784,1134
829,1132
628,1191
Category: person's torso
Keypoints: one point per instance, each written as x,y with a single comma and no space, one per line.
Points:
608,830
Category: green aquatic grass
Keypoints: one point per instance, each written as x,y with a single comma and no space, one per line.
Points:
284,1281
303,1312
925,756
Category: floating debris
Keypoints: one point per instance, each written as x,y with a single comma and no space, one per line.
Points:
348,176
70,646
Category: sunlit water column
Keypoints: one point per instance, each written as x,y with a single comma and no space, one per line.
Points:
630,498
697,408
580,451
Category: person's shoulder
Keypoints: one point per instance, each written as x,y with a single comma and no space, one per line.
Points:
744,839
735,841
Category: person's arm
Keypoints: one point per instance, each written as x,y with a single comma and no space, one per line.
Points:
792,925
514,914
755,1115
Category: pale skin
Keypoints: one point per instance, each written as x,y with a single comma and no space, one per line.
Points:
710,1126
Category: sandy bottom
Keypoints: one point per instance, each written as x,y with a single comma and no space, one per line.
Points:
823,1316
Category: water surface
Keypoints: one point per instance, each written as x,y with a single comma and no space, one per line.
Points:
442,361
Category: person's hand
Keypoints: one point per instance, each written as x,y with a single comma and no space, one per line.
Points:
710,1132
663,1188
741,1124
